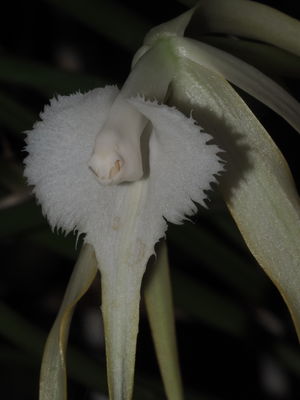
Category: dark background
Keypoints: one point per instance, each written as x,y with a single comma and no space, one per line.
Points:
236,339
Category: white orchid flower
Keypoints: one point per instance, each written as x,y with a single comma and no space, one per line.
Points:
115,165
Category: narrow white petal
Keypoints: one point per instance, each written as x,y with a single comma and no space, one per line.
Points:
243,75
160,310
177,176
267,58
257,186
53,378
53,154
248,19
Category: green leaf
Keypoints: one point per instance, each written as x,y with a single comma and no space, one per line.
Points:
45,79
11,175
29,341
238,273
53,371
13,115
159,305
58,243
288,356
21,218
258,187
109,18
12,325
204,303
26,218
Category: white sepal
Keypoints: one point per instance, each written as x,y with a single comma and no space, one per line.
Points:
258,186
241,74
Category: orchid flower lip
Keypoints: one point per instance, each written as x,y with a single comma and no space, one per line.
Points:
101,144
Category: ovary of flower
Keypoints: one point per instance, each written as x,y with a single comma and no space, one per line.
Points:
117,153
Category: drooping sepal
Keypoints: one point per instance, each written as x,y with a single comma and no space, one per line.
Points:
53,378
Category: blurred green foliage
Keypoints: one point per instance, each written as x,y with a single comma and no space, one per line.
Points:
236,339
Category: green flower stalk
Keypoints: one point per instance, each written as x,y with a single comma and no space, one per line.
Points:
115,165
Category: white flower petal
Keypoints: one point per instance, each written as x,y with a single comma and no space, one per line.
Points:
160,310
181,168
53,382
243,75
178,176
122,222
174,27
59,149
272,60
258,186
248,19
